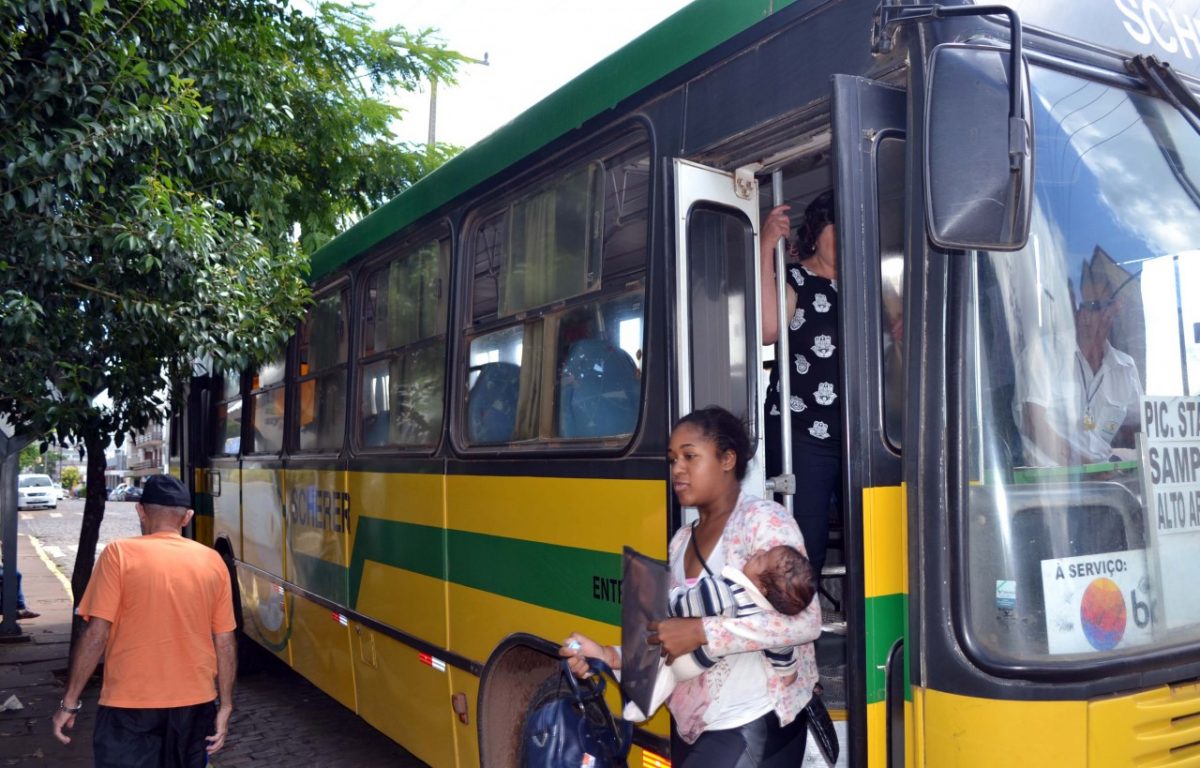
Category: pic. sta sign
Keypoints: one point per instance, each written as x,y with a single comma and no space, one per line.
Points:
1170,443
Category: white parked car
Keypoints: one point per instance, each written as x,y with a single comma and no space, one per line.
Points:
35,491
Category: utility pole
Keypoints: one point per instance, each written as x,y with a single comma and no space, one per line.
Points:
11,443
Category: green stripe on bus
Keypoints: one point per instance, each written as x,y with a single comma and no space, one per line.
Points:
569,579
886,622
320,577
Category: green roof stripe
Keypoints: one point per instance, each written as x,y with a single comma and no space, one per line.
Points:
664,48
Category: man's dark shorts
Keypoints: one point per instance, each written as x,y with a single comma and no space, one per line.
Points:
173,737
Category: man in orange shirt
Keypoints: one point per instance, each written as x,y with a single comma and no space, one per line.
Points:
160,610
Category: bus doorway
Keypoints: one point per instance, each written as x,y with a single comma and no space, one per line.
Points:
862,588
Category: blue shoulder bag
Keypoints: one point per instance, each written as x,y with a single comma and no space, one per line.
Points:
574,728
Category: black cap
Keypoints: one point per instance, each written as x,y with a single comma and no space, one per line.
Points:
166,491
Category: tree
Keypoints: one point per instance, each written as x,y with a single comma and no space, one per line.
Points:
30,457
70,478
156,160
38,457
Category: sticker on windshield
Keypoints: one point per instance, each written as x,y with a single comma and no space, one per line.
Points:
1006,599
1097,602
1170,446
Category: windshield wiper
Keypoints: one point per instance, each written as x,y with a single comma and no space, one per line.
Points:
1166,83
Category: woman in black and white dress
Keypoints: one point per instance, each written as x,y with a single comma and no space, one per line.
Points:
812,306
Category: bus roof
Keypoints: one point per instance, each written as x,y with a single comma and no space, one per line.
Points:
667,46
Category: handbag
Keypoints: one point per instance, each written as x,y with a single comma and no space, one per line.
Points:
575,728
821,726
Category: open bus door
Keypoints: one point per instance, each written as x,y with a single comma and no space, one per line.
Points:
869,179
717,350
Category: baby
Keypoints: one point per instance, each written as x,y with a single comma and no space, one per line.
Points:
780,579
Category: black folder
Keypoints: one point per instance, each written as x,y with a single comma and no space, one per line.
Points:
644,588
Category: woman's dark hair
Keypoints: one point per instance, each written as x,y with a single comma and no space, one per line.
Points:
819,213
791,587
724,429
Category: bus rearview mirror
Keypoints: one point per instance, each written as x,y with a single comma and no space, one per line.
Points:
978,155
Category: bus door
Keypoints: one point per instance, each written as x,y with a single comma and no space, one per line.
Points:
717,350
869,179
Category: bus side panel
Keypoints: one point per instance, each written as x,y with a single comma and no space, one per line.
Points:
320,649
263,523
406,696
466,734
317,554
227,504
540,554
982,733
267,611
397,576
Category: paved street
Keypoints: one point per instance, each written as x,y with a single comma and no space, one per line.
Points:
280,719
57,530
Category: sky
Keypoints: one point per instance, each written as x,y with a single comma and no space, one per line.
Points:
533,47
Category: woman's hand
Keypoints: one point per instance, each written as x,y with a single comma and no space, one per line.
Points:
677,636
776,225
577,649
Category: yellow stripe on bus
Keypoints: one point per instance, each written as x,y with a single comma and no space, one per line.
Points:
885,550
411,498
599,514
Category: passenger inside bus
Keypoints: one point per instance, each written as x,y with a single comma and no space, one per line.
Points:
812,305
1081,401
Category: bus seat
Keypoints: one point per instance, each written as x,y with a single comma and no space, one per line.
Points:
492,403
598,391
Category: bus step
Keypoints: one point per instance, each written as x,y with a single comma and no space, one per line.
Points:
833,571
833,622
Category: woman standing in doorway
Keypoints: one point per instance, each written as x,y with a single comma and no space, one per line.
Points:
812,308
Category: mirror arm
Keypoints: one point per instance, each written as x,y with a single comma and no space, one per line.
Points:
888,17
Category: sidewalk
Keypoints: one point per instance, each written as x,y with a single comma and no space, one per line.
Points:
279,718
35,672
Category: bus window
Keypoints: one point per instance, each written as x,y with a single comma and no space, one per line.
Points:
720,312
227,431
267,407
889,184
321,373
1068,345
494,380
599,368
404,349
557,305
553,245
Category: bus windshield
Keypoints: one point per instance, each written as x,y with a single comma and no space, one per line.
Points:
1082,373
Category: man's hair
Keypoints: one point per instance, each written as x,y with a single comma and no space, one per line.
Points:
790,587
162,509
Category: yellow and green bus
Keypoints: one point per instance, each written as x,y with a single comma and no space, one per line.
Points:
432,484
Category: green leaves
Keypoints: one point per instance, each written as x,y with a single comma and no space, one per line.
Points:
164,167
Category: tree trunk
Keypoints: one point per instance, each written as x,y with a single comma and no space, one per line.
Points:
89,532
